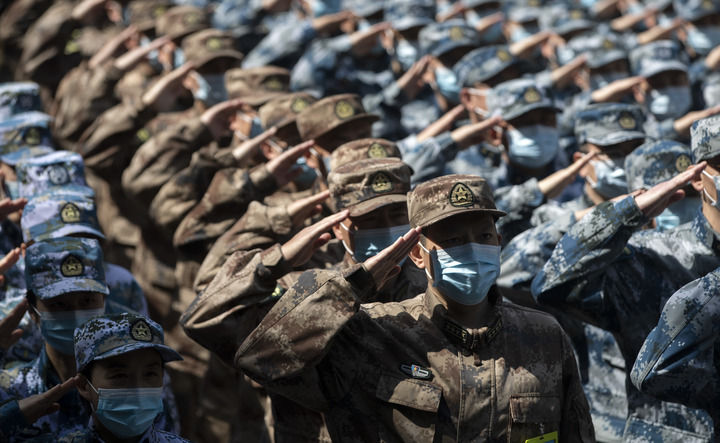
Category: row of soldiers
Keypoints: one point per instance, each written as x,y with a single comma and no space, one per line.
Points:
367,221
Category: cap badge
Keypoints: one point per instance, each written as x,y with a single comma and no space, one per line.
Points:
214,43
298,105
158,11
377,150
381,183
607,44
707,5
273,84
627,121
70,213
191,19
344,110
140,331
531,95
72,267
576,14
58,175
461,196
456,33
32,136
682,162
503,55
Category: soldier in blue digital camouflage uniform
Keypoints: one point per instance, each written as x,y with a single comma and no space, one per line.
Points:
121,361
18,97
607,273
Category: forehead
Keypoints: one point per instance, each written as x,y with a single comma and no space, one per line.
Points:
134,359
461,224
73,296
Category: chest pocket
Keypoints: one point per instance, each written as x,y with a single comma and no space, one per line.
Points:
409,406
533,414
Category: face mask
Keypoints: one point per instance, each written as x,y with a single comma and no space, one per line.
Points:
307,174
611,180
128,412
465,273
12,189
152,57
678,213
519,33
716,180
532,146
211,89
321,7
671,102
178,58
369,242
57,328
598,81
704,38
406,53
711,94
447,84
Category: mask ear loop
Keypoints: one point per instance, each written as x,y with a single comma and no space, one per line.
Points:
347,248
431,261
707,195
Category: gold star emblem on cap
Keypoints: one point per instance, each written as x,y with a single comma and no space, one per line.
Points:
298,105
141,331
273,84
707,5
32,136
461,196
70,213
214,43
503,55
607,44
344,110
531,95
71,267
627,121
456,33
158,11
533,2
381,183
376,150
682,162
576,14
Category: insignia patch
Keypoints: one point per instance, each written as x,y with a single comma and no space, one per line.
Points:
72,46
344,110
531,95
627,121
298,105
376,150
158,11
72,267
32,136
456,33
381,183
461,196
140,331
273,84
143,135
191,19
70,213
576,14
416,371
503,55
533,3
607,44
707,5
682,162
213,43
550,437
58,175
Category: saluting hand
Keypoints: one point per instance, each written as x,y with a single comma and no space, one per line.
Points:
656,199
384,265
300,248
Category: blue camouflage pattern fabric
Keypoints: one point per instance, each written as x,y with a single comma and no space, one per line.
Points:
28,129
60,168
692,10
514,98
25,153
28,347
126,295
607,124
55,213
479,65
58,266
679,359
705,136
438,38
655,162
19,97
656,57
91,435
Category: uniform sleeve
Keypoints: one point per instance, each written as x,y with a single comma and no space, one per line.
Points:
286,42
11,419
519,201
576,422
677,360
428,158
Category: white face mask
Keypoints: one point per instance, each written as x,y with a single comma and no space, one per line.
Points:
532,146
670,102
716,181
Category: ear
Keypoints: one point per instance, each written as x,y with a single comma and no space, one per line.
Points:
584,172
267,151
338,231
465,98
83,388
417,257
697,184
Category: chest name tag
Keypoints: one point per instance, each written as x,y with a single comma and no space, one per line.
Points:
550,437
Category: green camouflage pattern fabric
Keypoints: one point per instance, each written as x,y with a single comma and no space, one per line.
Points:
331,113
55,213
209,44
361,149
282,113
655,162
705,137
257,86
182,20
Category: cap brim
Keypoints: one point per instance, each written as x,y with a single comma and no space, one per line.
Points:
528,108
607,57
494,212
374,203
659,67
67,230
14,157
69,286
166,353
229,54
614,138
407,23
258,99
370,118
453,44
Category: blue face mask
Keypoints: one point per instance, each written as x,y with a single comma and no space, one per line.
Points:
406,53
369,242
57,328
152,57
670,102
307,174
703,38
178,58
128,412
11,189
211,89
532,146
677,214
611,180
465,273
447,83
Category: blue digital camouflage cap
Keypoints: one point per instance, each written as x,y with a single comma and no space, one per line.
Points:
601,49
479,65
659,56
363,8
606,124
513,98
525,14
705,138
28,129
18,97
58,266
438,38
111,335
691,10
56,213
408,14
655,162
51,171
570,21
24,153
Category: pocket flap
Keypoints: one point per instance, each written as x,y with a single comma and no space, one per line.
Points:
535,408
416,394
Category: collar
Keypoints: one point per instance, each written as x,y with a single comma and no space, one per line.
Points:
147,436
704,232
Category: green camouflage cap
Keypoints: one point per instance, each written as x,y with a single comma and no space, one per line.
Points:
366,185
181,21
208,45
64,265
450,195
655,162
257,86
363,149
705,138
332,113
145,13
111,335
282,112
606,124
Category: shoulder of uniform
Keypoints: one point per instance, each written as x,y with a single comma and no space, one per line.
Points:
169,436
527,316
379,309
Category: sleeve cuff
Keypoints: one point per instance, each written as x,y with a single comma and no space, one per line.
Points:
361,281
263,180
11,418
273,265
280,221
629,213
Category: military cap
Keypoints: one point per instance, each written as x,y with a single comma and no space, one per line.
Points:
363,8
56,213
256,86
705,138
24,153
438,38
63,265
330,114
525,14
363,149
659,56
59,168
606,124
472,4
449,195
408,14
117,334
655,162
27,129
570,21
479,65
18,97
601,48
692,10
282,112
513,98
145,13
210,44
366,185
181,21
